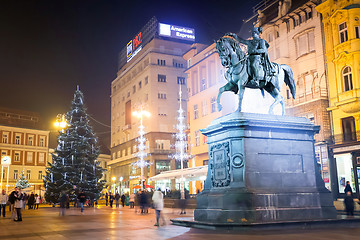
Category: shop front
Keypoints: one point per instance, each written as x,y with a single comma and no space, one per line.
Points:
346,165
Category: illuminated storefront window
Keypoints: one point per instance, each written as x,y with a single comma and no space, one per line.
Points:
345,171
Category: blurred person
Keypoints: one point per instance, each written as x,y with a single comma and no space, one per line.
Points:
123,200
117,199
82,199
106,198
132,200
37,201
348,188
349,204
64,199
3,201
143,202
12,199
111,199
19,204
31,201
158,204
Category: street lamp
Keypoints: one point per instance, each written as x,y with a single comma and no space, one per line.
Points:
5,162
113,179
60,122
141,154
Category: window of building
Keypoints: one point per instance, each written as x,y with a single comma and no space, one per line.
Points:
277,34
16,174
161,95
41,157
134,89
357,31
128,94
17,139
287,94
309,14
205,162
204,108
203,84
349,130
189,63
16,157
181,80
162,165
197,138
161,62
41,142
287,26
5,137
213,104
28,174
343,36
270,37
29,157
140,85
347,79
305,43
205,139
196,111
146,80
30,140
162,111
40,176
161,78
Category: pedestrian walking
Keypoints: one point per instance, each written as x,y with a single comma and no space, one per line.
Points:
111,200
63,203
123,200
117,199
158,204
82,200
19,204
132,200
12,199
3,201
37,201
106,198
348,188
349,204
31,201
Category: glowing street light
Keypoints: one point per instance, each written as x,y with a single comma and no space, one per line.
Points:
61,122
141,154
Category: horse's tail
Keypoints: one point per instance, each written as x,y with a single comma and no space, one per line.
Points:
289,79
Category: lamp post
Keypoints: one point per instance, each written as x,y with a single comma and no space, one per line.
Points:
60,122
5,162
113,179
181,144
141,154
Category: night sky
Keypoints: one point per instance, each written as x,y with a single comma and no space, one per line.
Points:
48,47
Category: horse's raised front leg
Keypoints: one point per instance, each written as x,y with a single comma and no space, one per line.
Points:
221,90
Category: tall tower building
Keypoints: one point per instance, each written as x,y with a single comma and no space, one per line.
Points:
342,42
150,73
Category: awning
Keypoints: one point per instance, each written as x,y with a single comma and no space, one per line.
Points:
190,174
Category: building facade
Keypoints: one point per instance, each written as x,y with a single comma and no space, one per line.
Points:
295,34
342,43
205,75
151,72
27,147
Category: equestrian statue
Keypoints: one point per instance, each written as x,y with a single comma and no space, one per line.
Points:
252,70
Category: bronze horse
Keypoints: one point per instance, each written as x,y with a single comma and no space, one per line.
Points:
236,61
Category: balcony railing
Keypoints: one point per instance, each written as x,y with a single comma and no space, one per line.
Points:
345,138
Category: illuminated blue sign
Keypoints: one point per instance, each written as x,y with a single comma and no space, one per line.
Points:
173,31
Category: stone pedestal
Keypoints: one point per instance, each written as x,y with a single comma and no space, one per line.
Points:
262,168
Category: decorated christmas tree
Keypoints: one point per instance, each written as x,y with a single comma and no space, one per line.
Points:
74,167
22,182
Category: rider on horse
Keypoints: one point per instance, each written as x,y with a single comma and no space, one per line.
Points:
260,66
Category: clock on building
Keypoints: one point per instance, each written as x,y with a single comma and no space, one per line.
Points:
5,161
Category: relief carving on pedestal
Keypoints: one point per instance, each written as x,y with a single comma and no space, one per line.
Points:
220,164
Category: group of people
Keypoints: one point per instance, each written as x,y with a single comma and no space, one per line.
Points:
144,199
17,201
109,199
